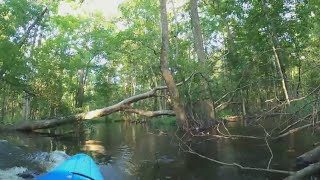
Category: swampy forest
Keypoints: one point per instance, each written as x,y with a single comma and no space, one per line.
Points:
177,89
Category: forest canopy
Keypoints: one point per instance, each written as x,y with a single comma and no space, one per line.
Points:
238,57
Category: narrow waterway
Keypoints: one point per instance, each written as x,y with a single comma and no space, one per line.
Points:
127,151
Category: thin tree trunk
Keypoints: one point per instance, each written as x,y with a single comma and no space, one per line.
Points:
244,111
12,110
283,83
26,107
299,79
166,73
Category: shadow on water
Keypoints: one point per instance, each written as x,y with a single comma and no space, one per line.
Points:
126,151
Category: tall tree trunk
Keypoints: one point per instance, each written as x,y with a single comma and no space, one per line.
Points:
173,91
26,107
196,31
80,92
199,48
83,74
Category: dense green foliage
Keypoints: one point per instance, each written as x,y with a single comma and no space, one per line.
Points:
72,63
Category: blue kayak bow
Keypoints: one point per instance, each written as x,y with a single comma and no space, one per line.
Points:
78,167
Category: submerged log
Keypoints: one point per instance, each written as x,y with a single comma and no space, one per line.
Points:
308,158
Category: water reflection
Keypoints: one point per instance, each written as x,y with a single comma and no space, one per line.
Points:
93,146
126,151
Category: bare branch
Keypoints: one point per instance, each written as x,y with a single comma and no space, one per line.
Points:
191,151
296,129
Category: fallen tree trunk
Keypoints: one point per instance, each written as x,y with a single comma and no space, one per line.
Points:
124,105
50,123
306,172
308,158
151,113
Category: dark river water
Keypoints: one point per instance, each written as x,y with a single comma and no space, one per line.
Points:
127,151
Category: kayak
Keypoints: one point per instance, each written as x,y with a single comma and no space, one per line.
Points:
78,167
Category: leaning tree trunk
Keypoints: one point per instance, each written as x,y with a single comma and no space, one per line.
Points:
275,46
173,91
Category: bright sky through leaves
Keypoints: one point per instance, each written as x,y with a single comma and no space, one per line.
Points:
108,8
